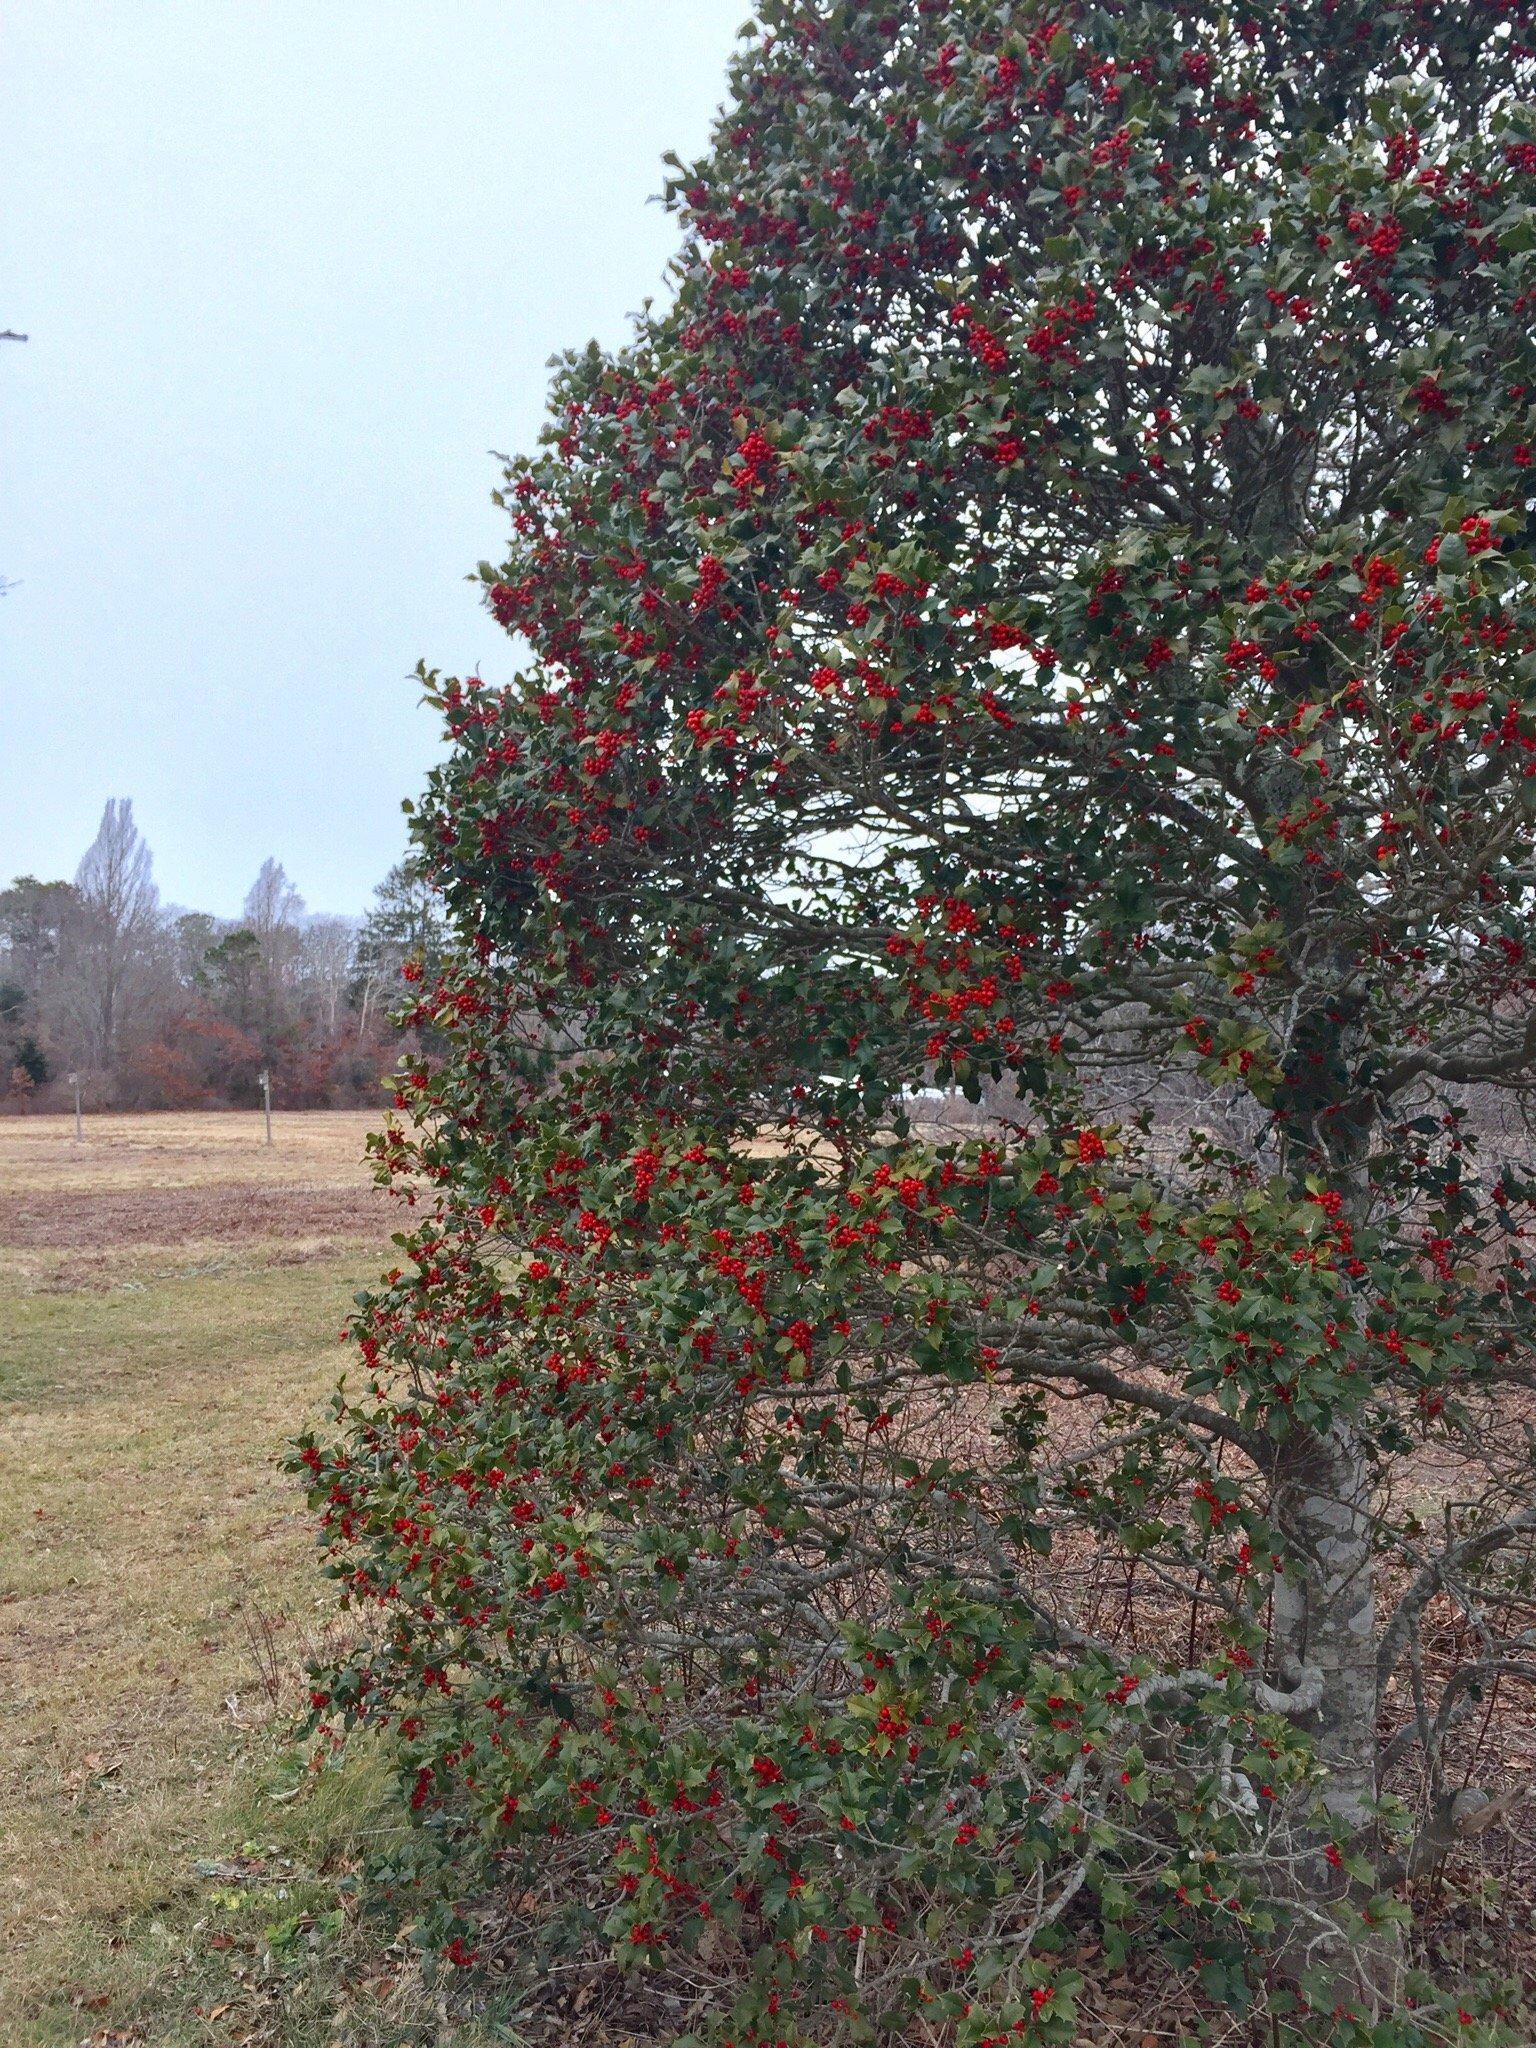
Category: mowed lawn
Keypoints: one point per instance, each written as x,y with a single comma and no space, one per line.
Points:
171,1296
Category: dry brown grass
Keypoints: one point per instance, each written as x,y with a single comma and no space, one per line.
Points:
146,1196
171,1293
318,1148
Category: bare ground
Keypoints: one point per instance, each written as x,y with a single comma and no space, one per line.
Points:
239,1212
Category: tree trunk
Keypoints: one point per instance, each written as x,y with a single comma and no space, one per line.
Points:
1325,1619
1322,1501
1325,1609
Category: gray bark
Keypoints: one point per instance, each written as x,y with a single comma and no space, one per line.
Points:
1325,1608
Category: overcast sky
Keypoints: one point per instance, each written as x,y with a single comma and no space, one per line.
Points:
290,268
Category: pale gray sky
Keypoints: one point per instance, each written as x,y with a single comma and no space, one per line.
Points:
290,268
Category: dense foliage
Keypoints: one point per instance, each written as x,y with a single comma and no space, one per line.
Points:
1043,613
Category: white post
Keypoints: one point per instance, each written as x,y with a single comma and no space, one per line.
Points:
266,1101
74,1082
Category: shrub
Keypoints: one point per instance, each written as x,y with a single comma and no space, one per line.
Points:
199,1061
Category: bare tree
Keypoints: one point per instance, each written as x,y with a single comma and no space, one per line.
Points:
327,952
273,915
273,907
115,924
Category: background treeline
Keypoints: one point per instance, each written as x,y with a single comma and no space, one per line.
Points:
156,1007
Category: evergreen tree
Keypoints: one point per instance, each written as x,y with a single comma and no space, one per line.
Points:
1046,606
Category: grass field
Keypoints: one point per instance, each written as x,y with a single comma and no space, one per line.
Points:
171,1294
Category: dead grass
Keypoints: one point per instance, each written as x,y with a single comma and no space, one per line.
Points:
236,1212
318,1148
158,1589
